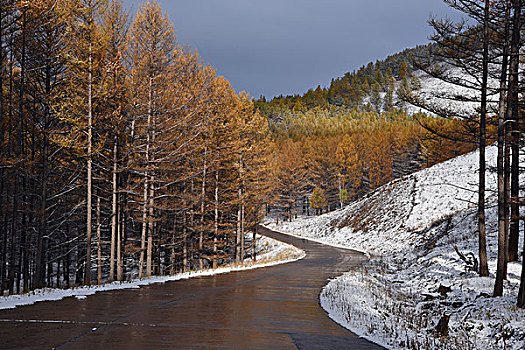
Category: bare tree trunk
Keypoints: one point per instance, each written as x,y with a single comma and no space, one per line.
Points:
121,226
149,251
502,195
151,142
173,241
114,214
42,229
515,109
144,225
513,106
216,233
483,265
512,116
238,237
146,189
151,227
238,242
203,197
87,275
242,227
184,244
255,240
99,245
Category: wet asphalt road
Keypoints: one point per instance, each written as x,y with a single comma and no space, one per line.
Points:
269,308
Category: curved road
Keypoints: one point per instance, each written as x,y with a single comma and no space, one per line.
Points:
269,308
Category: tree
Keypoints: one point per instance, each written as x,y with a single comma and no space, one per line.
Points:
404,70
114,30
318,200
375,97
389,95
350,164
151,48
84,52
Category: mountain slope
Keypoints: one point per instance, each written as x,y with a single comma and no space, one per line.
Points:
414,224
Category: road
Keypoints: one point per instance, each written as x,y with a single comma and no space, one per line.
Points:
268,308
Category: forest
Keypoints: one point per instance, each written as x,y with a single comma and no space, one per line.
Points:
124,154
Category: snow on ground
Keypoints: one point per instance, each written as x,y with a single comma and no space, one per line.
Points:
412,225
269,252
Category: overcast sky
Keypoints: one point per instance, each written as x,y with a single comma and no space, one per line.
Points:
275,47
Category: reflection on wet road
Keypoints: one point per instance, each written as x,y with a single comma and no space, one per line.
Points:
268,308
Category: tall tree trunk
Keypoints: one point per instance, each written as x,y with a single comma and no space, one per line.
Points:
146,187
203,199
42,228
144,225
242,225
483,265
513,107
87,274
501,273
114,213
238,236
121,227
184,244
67,262
151,228
14,221
99,245
173,241
238,249
216,219
515,99
149,159
502,213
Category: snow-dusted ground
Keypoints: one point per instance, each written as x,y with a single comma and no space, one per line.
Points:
411,226
269,252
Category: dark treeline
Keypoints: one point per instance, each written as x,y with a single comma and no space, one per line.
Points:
122,154
373,87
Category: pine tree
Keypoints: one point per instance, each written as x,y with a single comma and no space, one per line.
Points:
375,97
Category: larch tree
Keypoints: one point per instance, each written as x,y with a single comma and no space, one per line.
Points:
114,23
151,49
83,51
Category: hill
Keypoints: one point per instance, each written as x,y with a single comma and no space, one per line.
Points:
372,87
413,225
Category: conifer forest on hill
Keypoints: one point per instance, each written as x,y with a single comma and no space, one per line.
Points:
124,155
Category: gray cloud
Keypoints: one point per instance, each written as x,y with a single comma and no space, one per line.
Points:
277,47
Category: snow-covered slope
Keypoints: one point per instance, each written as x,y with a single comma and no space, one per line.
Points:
413,224
385,221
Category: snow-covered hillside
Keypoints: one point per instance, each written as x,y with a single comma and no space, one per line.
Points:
411,226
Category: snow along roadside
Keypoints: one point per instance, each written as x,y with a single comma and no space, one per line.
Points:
271,252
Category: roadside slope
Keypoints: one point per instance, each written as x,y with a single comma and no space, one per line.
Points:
412,225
